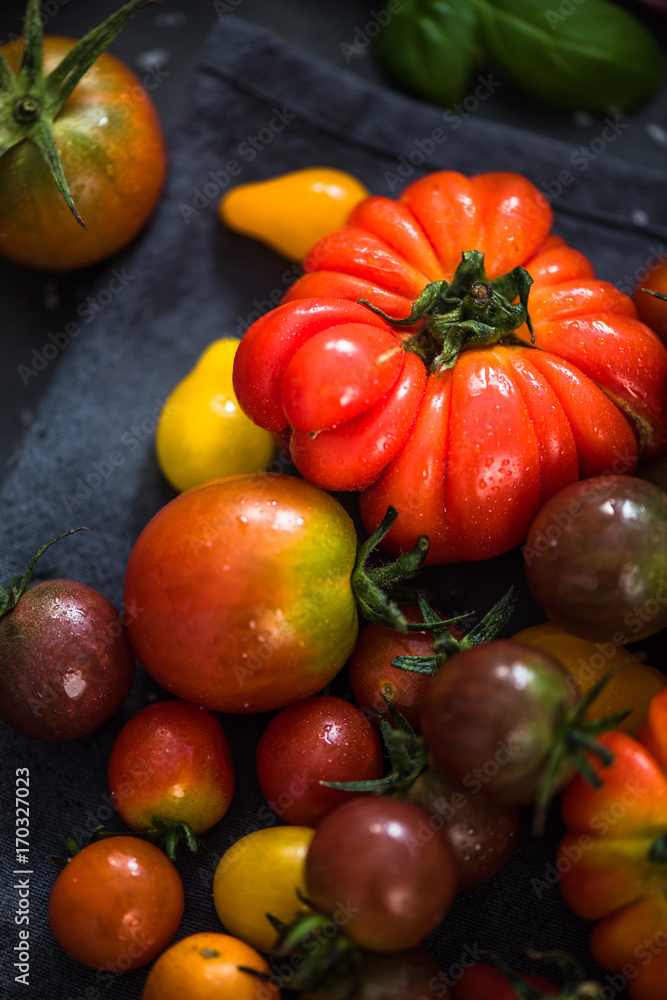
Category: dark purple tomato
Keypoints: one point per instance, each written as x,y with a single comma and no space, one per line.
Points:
66,664
322,738
596,559
414,974
381,871
481,833
491,718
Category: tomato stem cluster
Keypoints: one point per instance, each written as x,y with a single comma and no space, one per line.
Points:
469,311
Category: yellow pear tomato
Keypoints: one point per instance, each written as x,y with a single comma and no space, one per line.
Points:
291,212
202,432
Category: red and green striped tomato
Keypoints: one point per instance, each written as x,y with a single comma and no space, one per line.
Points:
238,592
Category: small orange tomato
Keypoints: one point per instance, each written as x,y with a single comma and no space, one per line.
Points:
206,966
117,904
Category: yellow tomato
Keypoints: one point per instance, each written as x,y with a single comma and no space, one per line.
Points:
202,432
205,966
632,687
291,212
259,874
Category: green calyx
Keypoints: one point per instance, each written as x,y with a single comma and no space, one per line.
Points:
445,644
166,834
407,755
9,596
30,101
574,744
311,952
468,311
369,584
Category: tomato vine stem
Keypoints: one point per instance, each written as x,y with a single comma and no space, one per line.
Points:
468,311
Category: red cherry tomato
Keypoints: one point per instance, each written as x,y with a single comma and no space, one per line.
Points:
377,866
117,904
320,739
171,760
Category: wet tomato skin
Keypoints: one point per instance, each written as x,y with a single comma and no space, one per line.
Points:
245,588
379,857
481,833
320,739
66,663
119,901
113,154
206,966
596,559
372,677
171,760
490,717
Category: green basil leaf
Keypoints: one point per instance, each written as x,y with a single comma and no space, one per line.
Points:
429,48
579,55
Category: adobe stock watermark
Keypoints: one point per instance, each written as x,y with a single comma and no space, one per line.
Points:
247,151
635,278
566,8
582,157
453,119
364,34
86,311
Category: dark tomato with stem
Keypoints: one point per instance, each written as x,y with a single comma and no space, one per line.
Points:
116,904
491,719
320,739
66,664
171,760
401,975
596,559
481,833
380,858
372,677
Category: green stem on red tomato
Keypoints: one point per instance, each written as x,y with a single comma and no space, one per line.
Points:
575,986
446,644
576,742
29,101
468,311
9,597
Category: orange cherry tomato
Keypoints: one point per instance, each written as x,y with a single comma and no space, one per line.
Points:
206,966
117,904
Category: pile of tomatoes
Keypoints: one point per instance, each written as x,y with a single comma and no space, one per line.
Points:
461,368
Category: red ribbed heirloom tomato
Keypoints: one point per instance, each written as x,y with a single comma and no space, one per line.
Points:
239,592
613,860
439,407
